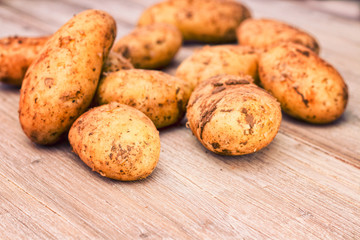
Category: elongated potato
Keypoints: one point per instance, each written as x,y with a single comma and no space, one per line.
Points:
265,33
161,97
16,55
211,21
231,116
211,61
150,47
61,82
116,141
307,87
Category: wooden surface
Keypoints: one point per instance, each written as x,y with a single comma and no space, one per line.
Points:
304,185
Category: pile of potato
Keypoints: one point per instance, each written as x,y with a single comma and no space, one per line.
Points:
232,93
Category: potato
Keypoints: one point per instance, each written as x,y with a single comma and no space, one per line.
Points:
212,61
265,33
150,47
117,141
61,82
115,62
16,55
161,97
210,21
307,87
231,116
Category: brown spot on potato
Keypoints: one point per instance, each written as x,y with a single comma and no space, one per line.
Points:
207,115
226,110
218,84
125,51
65,41
303,52
218,89
179,104
236,81
304,100
215,145
250,120
226,151
160,41
49,82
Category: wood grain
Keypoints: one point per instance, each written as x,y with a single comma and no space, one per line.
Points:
305,185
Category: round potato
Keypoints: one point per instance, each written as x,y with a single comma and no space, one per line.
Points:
307,87
115,62
211,21
161,97
16,55
150,47
231,116
61,82
211,61
117,141
265,33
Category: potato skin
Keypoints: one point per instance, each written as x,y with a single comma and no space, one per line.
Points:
307,87
115,62
117,141
61,82
16,55
224,59
231,116
161,97
265,33
210,21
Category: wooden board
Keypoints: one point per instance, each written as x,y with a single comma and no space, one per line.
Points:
304,185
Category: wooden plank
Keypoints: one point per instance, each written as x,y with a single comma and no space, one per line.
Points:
35,222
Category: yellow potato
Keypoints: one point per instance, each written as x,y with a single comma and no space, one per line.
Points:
116,141
16,55
211,21
61,82
231,116
265,33
211,61
307,87
150,47
115,62
161,97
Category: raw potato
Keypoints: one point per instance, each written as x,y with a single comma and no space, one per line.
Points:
16,55
115,62
161,97
211,61
117,141
61,82
150,47
211,21
231,116
307,87
265,33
